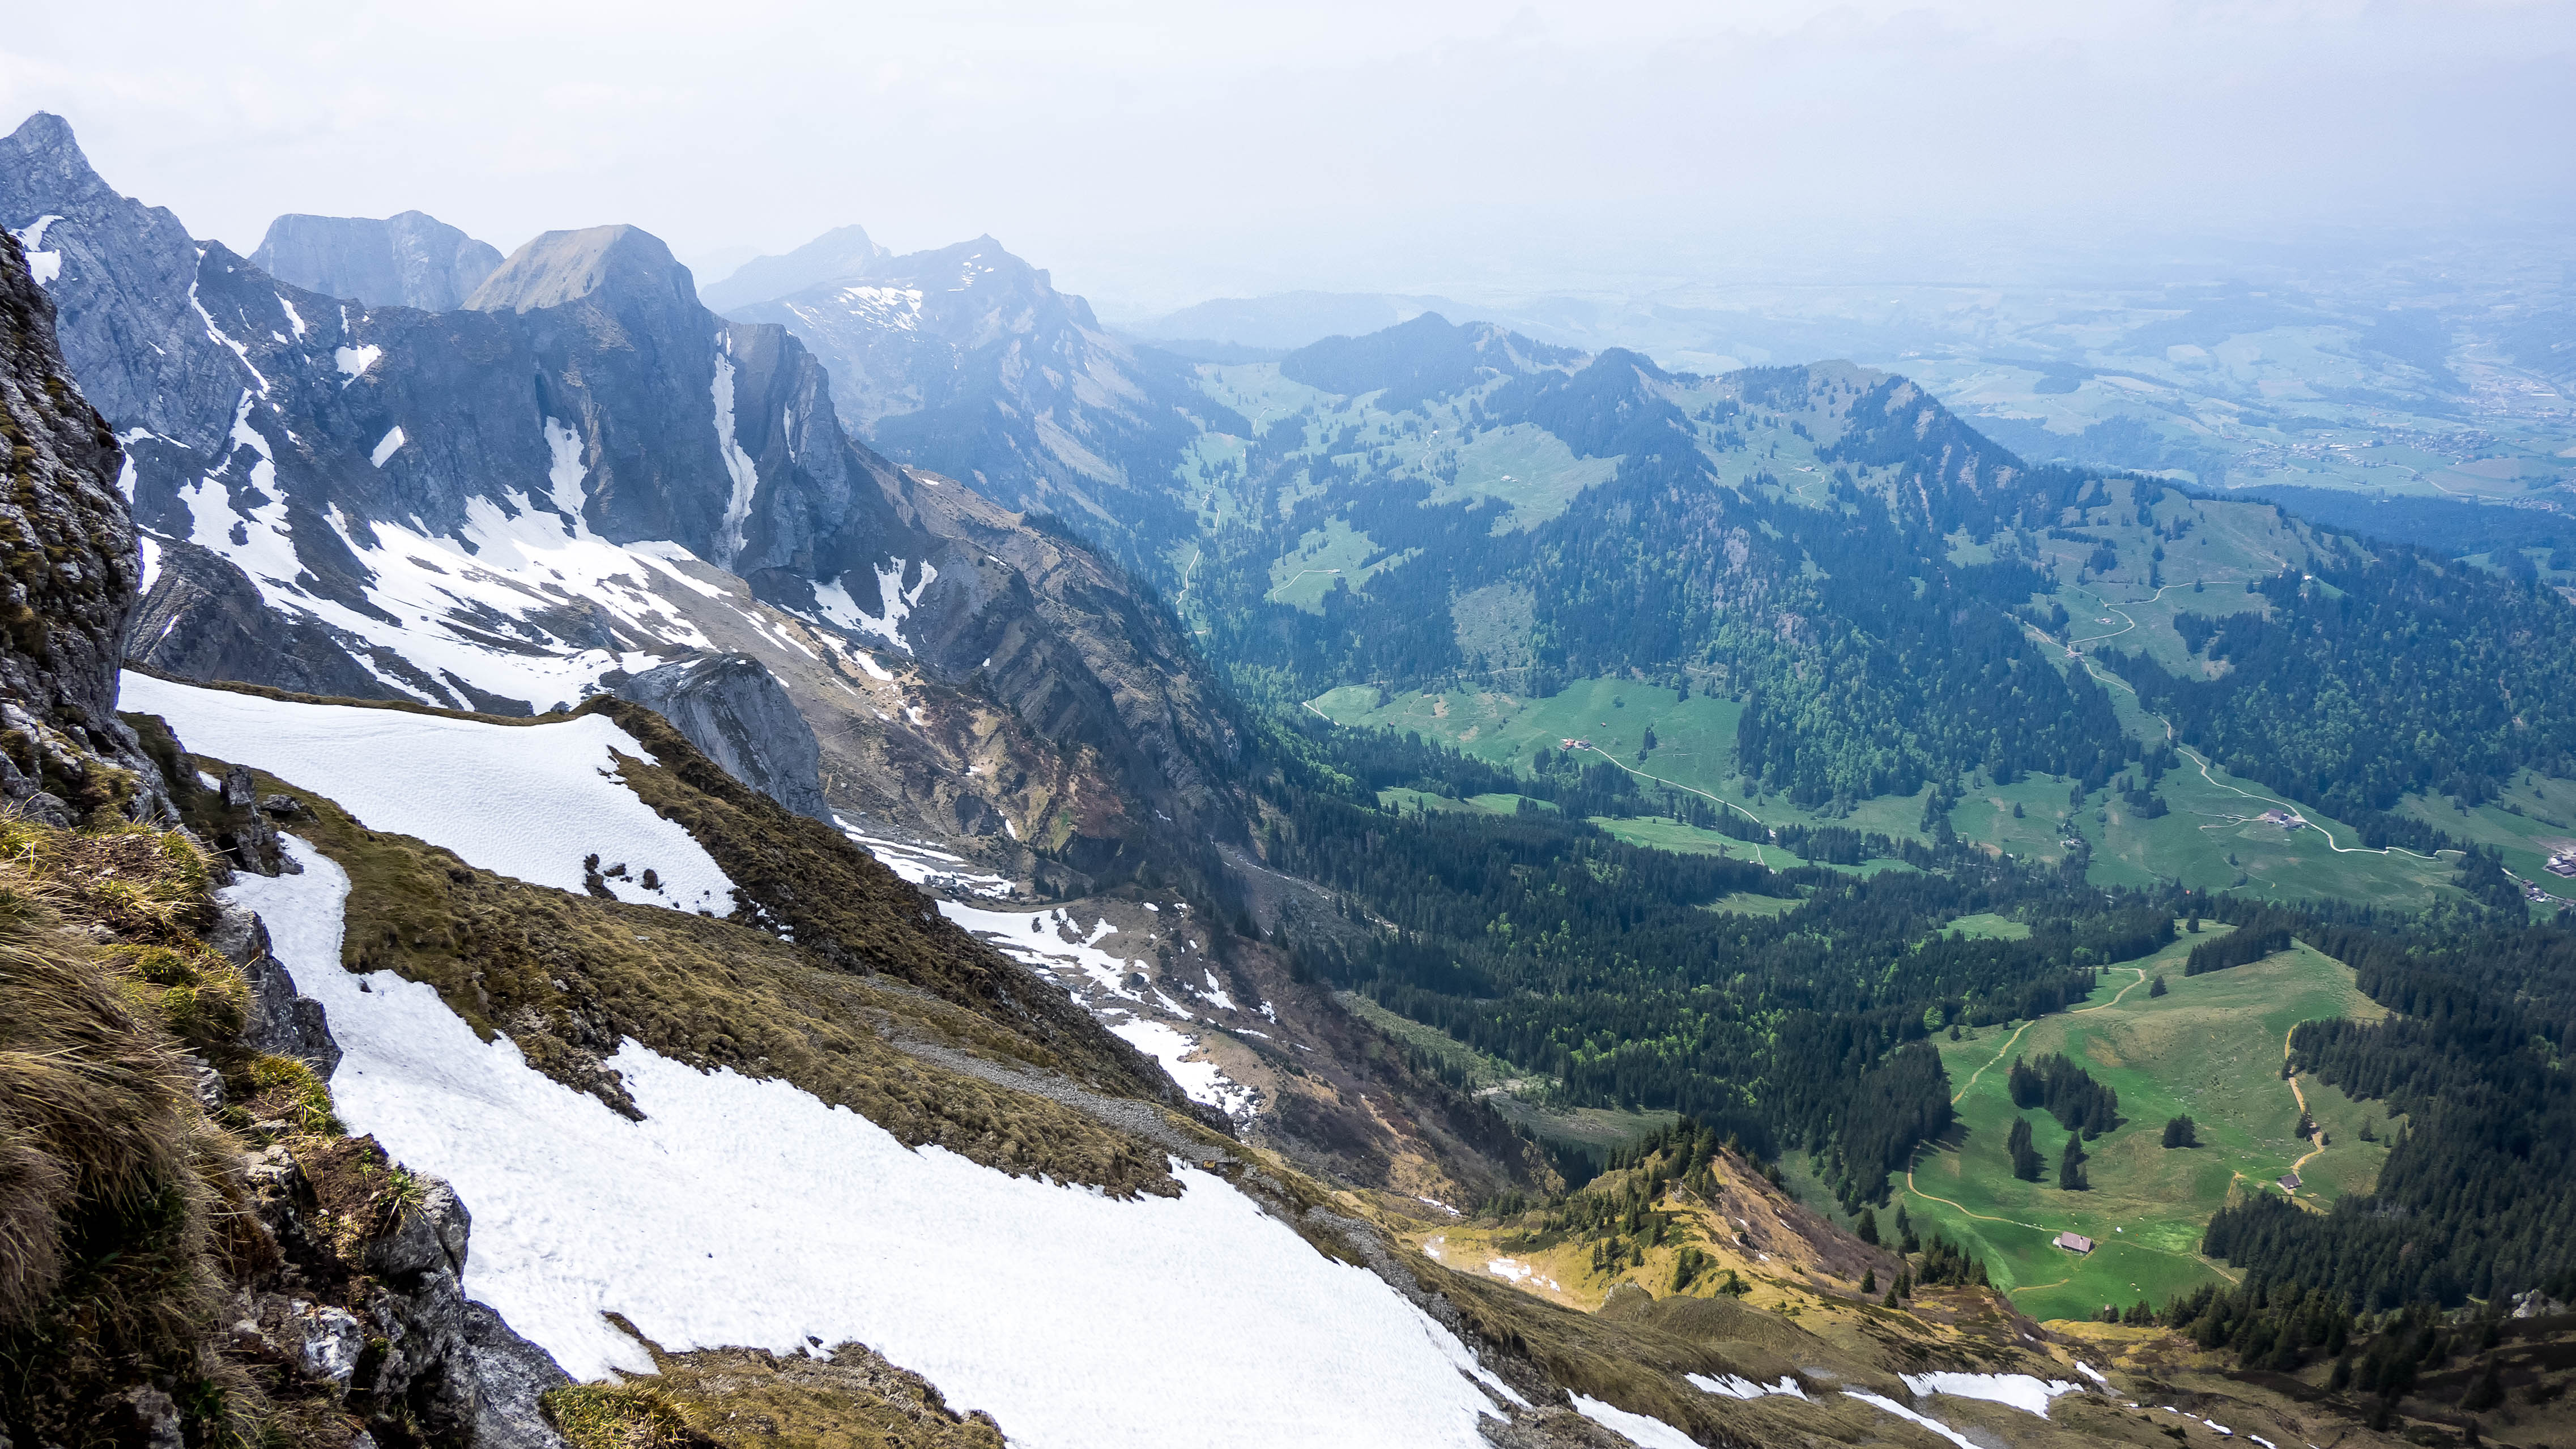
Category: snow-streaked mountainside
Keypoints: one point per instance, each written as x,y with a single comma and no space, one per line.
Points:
746,1212
580,475
525,801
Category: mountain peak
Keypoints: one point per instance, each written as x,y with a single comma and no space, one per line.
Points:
45,131
410,259
836,255
566,266
43,146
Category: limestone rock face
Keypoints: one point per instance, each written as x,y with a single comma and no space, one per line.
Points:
736,712
410,259
70,559
68,571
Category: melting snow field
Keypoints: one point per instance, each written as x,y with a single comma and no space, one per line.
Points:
2021,1391
1734,1387
1201,1080
1644,1430
527,801
1888,1405
1034,938
926,865
746,1212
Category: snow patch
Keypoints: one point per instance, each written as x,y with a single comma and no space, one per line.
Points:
895,307
1877,1401
565,474
353,362
1514,1271
43,266
1201,1080
747,1212
1643,1430
217,334
1733,1387
832,599
746,478
2021,1391
387,446
526,801
294,318
922,865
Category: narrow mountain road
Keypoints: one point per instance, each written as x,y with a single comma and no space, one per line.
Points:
1693,789
2027,1025
2115,682
2114,1001
1981,1071
1980,1217
2302,1099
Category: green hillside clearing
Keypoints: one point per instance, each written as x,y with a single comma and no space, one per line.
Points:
2210,1048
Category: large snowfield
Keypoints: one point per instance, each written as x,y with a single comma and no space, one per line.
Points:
527,801
747,1212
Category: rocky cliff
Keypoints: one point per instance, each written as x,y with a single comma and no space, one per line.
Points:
410,259
71,570
731,700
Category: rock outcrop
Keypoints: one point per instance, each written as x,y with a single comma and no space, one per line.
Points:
68,571
738,715
410,259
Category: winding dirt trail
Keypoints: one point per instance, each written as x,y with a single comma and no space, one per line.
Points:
1981,1071
2302,1099
2187,752
2027,1025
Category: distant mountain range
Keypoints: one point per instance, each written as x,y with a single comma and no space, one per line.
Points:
578,472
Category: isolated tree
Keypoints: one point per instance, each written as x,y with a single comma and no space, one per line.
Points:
2156,988
2026,1160
2182,1132
1869,1280
2070,1166
1867,1228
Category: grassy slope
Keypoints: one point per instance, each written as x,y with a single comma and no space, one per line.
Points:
1513,1092
2211,1048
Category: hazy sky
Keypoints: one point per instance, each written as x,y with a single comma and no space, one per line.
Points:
1157,153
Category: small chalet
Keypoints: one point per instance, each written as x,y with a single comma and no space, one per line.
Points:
2289,1181
2075,1242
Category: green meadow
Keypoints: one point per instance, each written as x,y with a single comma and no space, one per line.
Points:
2210,1048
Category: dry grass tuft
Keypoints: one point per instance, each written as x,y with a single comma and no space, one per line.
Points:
104,1166
619,1416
